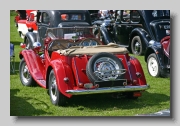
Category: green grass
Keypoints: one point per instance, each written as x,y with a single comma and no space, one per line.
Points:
34,101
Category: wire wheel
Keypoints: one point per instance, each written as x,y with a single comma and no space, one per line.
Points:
25,76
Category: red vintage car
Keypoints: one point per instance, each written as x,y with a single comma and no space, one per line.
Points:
17,17
29,24
74,62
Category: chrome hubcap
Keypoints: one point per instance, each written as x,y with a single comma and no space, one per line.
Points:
153,66
53,89
26,75
106,69
137,47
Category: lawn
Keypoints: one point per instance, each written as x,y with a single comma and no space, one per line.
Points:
34,101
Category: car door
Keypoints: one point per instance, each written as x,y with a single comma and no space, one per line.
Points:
128,20
122,27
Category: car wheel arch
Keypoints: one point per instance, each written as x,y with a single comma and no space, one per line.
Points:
56,96
47,76
58,67
151,50
25,37
147,53
31,36
142,34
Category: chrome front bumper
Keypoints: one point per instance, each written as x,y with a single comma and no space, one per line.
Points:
108,90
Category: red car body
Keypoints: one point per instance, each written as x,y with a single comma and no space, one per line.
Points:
17,17
166,45
29,23
81,65
28,12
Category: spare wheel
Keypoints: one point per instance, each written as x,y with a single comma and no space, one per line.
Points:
104,67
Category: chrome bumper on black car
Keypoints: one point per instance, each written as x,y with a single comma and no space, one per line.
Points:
108,90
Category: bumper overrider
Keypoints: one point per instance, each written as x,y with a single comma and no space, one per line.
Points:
108,90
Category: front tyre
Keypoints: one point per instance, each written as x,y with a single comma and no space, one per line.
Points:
153,65
136,46
55,95
25,76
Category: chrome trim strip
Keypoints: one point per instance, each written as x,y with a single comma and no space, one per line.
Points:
108,90
76,75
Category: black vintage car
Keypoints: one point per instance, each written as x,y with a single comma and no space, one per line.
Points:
56,18
94,15
136,28
157,57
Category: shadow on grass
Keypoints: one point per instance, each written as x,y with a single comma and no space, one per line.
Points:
106,102
21,107
16,43
16,69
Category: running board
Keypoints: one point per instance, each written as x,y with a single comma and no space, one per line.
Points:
42,83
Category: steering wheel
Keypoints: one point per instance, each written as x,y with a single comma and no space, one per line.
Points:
89,42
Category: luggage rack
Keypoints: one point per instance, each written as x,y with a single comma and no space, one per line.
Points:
70,32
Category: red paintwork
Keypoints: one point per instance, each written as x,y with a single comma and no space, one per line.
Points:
28,12
22,21
73,68
17,18
29,24
166,45
36,66
135,66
